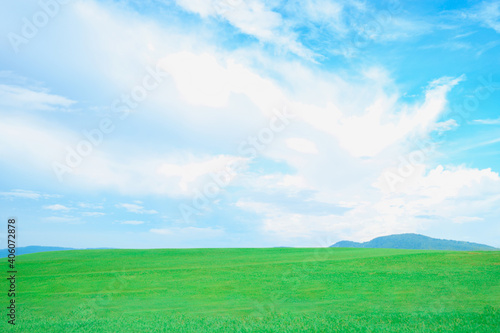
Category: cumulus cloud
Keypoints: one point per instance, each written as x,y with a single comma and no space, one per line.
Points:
446,193
442,194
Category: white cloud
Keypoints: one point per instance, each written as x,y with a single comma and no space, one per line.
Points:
203,80
277,182
132,222
93,214
446,194
31,141
133,208
393,28
43,145
487,13
439,183
193,175
452,194
291,228
57,207
210,79
252,17
323,11
380,125
292,181
443,183
22,194
302,145
191,232
30,100
203,8
445,125
480,144
487,121
334,120
336,21
91,206
62,219
466,219
347,27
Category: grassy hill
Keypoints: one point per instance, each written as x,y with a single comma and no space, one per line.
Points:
415,242
257,290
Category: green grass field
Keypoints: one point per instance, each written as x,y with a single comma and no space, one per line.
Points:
257,290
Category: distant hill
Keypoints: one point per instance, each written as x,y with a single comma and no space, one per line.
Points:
33,249
416,242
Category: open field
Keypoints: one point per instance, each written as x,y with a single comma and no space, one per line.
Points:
257,290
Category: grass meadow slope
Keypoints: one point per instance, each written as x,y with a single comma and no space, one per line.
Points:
258,290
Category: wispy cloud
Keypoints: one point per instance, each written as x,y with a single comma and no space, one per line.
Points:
133,208
251,17
194,232
93,214
487,121
476,145
466,219
27,99
132,222
62,219
467,34
450,45
13,79
486,12
346,27
445,125
26,194
57,207
90,205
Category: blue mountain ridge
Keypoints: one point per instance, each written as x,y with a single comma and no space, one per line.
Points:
35,249
415,242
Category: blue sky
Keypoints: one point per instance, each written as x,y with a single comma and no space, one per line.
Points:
232,123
